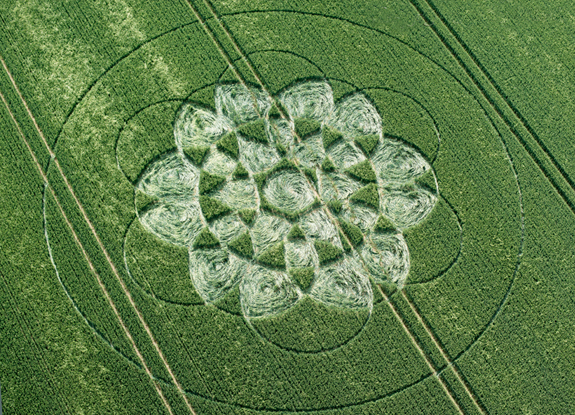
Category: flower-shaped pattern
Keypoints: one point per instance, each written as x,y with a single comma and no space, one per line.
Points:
287,196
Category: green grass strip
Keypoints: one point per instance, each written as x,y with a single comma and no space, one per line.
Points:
274,256
295,233
367,142
327,165
327,252
367,195
247,215
205,239
242,245
383,225
329,136
255,130
209,181
212,208
304,127
303,276
353,233
363,171
229,145
196,154
240,172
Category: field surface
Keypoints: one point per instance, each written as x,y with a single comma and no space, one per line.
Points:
312,207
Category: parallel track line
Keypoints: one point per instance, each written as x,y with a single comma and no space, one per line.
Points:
569,200
97,237
86,257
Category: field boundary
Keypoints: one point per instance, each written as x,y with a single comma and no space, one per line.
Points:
493,105
85,254
25,327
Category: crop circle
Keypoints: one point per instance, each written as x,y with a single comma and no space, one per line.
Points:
98,164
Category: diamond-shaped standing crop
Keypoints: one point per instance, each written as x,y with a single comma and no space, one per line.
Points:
287,196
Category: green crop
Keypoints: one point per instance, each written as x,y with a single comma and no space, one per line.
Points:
363,171
206,239
274,256
209,182
229,144
196,154
145,209
327,252
242,245
304,127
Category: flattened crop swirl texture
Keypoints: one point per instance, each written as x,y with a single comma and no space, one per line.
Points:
322,155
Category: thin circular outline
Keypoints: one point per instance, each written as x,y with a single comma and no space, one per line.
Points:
438,65
151,294
470,94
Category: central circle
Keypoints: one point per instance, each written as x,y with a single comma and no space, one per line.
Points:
289,192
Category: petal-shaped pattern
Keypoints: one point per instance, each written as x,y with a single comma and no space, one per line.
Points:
337,186
169,178
345,154
406,206
240,103
356,115
238,194
198,127
257,157
318,225
227,228
280,131
361,216
268,230
175,223
344,284
387,258
395,161
313,99
301,254
265,292
218,162
310,153
289,191
214,272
